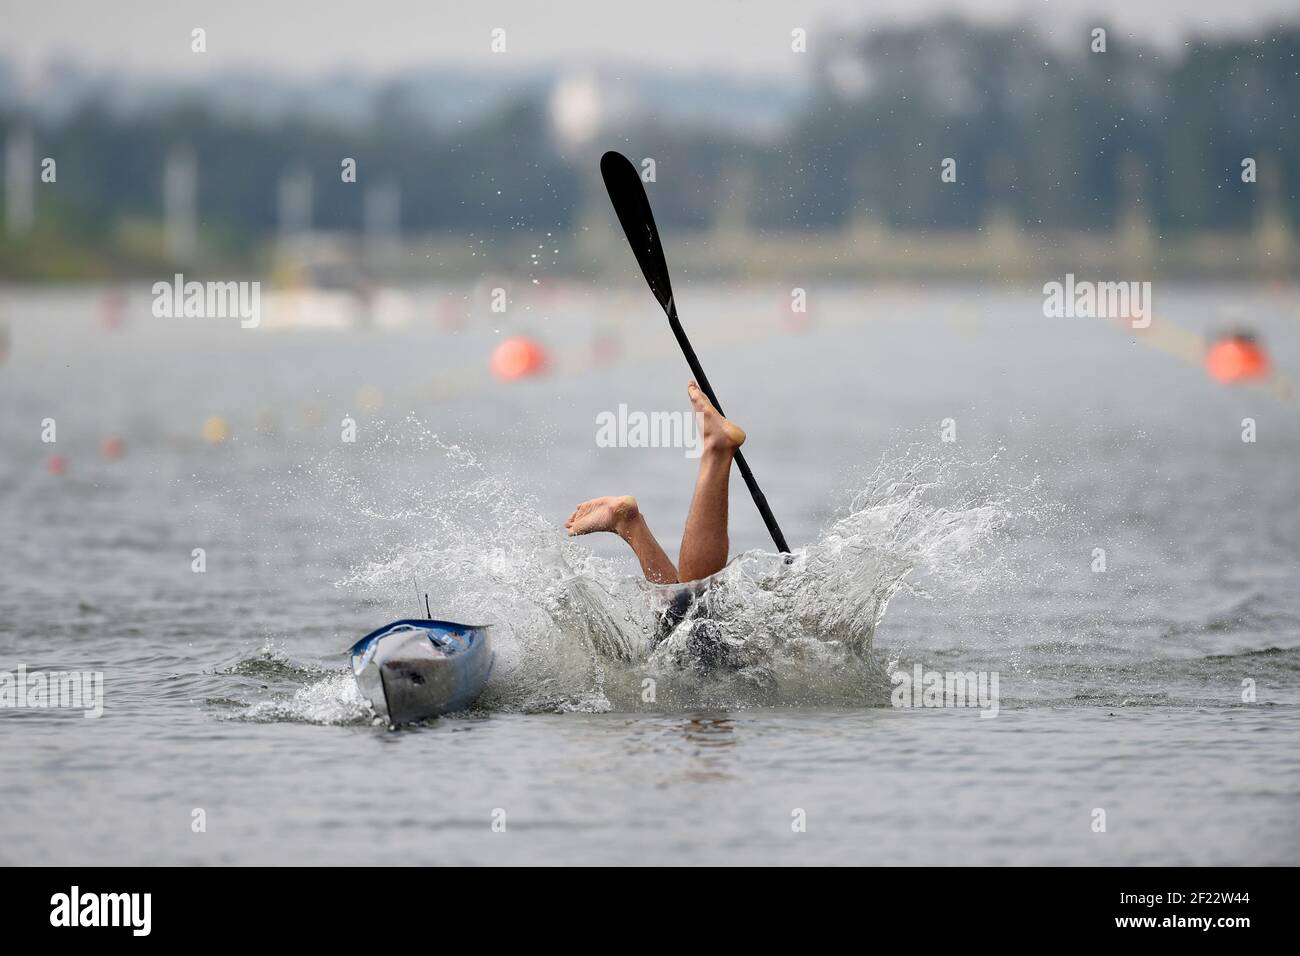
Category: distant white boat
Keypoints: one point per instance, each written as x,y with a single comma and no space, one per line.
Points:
332,298
311,308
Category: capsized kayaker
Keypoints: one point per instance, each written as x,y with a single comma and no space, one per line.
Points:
704,542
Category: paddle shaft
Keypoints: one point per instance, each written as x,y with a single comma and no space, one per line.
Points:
760,500
627,193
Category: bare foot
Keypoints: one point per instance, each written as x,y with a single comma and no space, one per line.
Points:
716,433
613,513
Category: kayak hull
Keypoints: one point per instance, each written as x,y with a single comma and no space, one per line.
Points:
416,669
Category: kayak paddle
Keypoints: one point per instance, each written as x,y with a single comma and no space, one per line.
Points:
626,192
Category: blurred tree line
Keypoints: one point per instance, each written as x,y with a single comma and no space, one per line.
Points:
1059,139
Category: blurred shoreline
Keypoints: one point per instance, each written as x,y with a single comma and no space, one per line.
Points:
1000,252
1017,159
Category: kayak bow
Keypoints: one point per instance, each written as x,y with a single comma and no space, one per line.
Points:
413,669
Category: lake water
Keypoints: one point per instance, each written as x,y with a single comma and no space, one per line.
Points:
1163,690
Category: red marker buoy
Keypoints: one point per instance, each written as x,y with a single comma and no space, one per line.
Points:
112,310
113,448
449,313
517,357
56,465
794,320
606,347
1236,358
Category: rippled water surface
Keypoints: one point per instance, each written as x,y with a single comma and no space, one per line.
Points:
1120,690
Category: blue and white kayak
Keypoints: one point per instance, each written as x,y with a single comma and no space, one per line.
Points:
413,669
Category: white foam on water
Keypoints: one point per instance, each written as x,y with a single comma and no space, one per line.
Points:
331,700
577,632
574,631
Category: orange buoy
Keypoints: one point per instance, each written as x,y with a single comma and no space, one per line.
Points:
517,357
215,430
1236,358
57,465
113,448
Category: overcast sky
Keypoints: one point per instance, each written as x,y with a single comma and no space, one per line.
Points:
742,36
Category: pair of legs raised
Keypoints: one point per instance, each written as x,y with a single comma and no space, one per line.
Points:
704,542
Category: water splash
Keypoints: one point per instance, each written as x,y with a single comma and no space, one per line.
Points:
574,631
330,700
577,632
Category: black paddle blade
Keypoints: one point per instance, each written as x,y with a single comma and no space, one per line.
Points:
623,183
626,192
